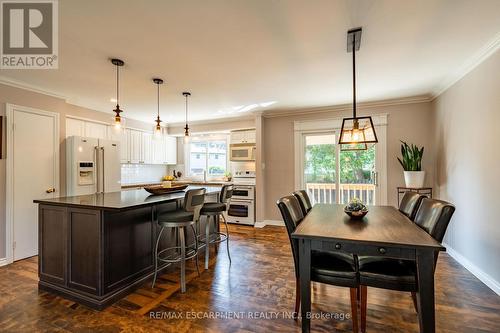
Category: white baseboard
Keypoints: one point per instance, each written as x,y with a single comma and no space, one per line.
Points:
269,222
3,262
476,271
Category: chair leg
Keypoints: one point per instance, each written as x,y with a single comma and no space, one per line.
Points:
183,259
196,248
207,242
414,298
364,292
297,299
227,238
156,256
354,309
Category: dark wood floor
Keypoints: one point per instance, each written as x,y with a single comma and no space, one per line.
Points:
259,282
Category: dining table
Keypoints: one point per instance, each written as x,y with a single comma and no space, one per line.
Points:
385,232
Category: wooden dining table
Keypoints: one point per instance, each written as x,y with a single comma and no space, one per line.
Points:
384,232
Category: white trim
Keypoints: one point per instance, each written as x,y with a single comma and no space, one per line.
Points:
9,192
476,271
25,86
475,60
262,224
329,124
3,262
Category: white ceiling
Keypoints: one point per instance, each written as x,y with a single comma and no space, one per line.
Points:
232,53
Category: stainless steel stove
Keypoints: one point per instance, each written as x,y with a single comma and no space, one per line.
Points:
242,205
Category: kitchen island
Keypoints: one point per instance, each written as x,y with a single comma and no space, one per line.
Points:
95,249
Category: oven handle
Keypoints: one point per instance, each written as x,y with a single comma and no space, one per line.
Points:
235,201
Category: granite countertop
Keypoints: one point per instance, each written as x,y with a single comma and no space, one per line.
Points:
180,182
121,200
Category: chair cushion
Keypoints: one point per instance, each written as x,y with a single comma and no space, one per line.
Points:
176,216
388,273
333,268
213,207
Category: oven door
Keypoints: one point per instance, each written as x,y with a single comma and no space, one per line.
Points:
242,152
241,211
243,192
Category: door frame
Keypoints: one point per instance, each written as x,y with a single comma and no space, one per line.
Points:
9,193
334,125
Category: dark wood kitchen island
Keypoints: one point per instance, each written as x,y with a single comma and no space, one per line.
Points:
95,249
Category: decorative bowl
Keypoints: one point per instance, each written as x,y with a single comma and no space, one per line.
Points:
356,214
159,189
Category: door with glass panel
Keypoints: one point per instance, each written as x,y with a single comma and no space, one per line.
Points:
331,175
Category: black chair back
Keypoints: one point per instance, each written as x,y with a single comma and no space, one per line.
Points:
226,193
193,201
410,203
434,216
304,202
292,216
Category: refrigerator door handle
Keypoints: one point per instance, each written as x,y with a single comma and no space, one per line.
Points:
96,168
102,170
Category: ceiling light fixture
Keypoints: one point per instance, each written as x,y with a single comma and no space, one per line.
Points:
356,132
158,121
118,63
186,129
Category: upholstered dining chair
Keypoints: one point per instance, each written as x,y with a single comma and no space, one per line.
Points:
326,267
410,203
433,216
304,201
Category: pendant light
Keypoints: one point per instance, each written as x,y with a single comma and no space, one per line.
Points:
118,63
158,121
186,129
357,132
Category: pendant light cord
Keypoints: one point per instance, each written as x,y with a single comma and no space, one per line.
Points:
158,98
117,85
354,74
186,110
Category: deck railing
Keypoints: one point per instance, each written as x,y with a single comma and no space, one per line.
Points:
325,193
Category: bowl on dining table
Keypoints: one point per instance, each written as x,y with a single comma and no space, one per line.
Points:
356,209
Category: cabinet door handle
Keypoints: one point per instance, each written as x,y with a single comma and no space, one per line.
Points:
382,250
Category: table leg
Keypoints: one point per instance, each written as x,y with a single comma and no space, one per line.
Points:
425,295
305,283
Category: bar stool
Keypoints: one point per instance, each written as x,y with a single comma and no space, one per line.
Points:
179,220
214,210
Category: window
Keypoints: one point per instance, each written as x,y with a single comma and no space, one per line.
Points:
208,154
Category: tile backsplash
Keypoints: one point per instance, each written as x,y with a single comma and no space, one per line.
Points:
142,173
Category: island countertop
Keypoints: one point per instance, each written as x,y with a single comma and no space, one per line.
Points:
121,200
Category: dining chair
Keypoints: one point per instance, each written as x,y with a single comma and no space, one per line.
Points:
304,201
326,267
410,203
433,216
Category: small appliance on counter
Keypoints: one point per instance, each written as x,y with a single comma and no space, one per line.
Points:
242,205
92,166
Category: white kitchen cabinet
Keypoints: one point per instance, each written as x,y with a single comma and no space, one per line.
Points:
158,150
135,146
75,127
96,130
170,149
124,145
243,137
147,148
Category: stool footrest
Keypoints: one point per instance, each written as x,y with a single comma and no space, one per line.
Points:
190,253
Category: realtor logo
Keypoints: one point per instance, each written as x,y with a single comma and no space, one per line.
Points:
29,34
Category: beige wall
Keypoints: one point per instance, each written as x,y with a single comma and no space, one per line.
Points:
212,126
27,98
467,118
408,122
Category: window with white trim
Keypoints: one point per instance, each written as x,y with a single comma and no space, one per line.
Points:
208,154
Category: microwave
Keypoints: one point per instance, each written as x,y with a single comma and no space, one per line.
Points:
242,152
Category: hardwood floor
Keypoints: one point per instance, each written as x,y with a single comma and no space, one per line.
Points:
259,282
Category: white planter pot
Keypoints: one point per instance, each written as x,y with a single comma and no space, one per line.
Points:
414,179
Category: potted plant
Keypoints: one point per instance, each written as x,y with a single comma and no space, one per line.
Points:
411,162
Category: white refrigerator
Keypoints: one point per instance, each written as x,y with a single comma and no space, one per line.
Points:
92,166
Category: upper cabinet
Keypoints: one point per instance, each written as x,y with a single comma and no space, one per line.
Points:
247,136
136,146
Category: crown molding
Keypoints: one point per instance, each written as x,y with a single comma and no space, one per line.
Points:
347,107
246,117
25,86
475,60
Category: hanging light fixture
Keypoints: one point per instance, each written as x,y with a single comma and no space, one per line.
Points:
158,121
357,132
186,129
118,63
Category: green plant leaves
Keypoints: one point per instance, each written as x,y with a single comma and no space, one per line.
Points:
411,157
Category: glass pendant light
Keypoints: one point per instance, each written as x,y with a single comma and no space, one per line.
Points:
186,128
357,132
118,63
158,121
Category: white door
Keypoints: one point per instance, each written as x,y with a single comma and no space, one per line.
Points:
147,148
171,149
109,163
124,146
34,142
135,146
